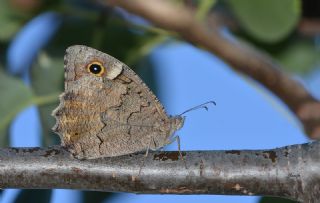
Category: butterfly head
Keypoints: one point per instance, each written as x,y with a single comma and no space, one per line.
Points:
176,123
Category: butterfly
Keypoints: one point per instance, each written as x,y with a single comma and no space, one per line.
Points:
106,110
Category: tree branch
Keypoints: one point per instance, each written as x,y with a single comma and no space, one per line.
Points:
292,172
242,58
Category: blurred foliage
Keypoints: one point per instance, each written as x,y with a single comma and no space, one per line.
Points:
267,21
14,13
15,96
10,20
47,78
300,56
270,25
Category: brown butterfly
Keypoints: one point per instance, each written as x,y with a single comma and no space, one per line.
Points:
106,110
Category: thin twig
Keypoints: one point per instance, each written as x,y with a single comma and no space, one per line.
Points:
242,58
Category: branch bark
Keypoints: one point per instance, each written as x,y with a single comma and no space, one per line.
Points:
241,58
292,172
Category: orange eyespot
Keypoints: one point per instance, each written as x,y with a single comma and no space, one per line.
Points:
96,68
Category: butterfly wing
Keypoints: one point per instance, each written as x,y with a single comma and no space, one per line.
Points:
111,115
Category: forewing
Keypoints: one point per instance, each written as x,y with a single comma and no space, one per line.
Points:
108,116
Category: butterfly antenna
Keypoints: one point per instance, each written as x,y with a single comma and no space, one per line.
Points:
201,106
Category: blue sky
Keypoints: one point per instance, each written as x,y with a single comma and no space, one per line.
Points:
246,115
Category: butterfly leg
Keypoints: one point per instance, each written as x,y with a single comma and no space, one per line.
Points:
177,139
146,155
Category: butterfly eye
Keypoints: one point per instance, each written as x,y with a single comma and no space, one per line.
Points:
96,68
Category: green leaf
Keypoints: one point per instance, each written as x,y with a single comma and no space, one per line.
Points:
267,21
31,196
275,200
47,80
15,96
300,56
